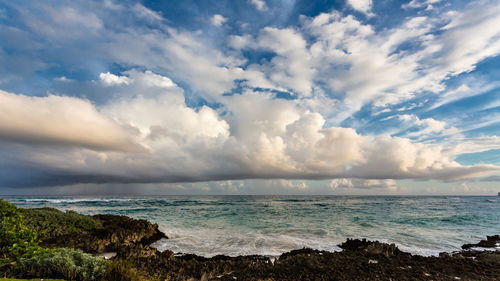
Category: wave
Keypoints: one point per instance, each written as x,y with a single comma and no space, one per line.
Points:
80,200
212,243
209,244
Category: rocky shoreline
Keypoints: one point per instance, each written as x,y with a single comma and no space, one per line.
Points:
130,239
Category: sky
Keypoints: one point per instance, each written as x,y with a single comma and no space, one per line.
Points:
250,97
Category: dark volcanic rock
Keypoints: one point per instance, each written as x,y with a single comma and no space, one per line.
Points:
115,234
490,242
370,247
360,260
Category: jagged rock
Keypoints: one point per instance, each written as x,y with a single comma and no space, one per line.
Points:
370,247
114,234
490,242
489,256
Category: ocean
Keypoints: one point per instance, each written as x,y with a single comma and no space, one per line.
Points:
271,225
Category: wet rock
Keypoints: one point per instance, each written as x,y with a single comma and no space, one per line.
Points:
490,242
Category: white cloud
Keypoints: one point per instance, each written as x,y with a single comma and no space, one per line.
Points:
204,69
290,69
363,184
351,61
110,79
367,67
473,145
464,91
422,128
218,20
63,79
148,79
146,13
167,116
420,4
60,22
259,4
363,6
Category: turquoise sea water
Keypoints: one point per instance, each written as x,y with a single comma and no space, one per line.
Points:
271,225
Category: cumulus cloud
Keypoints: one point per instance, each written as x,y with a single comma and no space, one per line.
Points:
363,6
218,20
110,79
257,137
133,76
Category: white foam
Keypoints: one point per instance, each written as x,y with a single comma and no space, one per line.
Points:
209,243
58,201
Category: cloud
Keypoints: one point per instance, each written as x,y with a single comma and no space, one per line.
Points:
363,184
110,79
329,56
259,4
58,120
424,128
218,20
146,79
261,187
291,68
257,137
146,13
363,6
420,3
461,145
239,126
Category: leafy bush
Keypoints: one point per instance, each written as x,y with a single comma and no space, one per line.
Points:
16,239
66,263
50,222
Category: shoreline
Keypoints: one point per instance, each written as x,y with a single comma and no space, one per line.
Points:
249,225
131,240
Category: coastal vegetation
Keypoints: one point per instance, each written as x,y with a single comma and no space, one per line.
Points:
16,239
23,256
50,222
70,264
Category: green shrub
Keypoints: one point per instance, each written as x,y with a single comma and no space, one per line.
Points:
69,264
50,222
16,239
